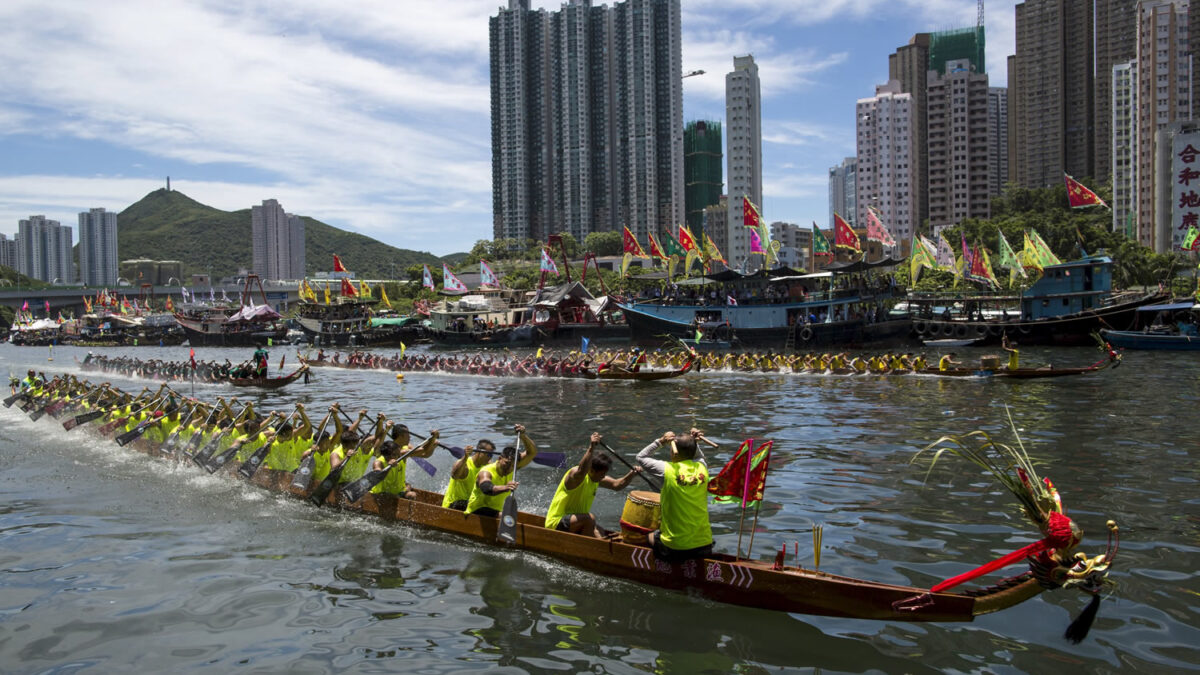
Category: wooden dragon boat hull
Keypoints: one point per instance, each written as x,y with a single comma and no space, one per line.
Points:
269,382
720,578
643,375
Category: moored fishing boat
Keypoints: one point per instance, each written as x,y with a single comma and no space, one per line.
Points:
225,325
1166,327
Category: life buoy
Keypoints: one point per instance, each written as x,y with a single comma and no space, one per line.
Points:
806,334
962,331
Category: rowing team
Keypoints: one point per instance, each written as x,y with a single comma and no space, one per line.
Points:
362,456
158,369
571,365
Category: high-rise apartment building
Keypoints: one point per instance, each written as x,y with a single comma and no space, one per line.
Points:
1115,44
8,252
886,176
278,241
44,250
795,244
743,125
957,103
716,226
842,191
1163,96
1123,109
997,140
702,170
587,119
1050,89
98,247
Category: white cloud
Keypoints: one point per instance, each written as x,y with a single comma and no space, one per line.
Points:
780,72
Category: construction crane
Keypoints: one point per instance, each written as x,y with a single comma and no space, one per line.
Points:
692,74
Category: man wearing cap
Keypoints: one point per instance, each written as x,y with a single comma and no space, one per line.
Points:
495,481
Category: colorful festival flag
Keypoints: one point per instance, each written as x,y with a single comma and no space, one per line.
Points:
583,347
711,251
451,282
632,246
363,289
1191,239
1078,195
686,240
750,216
756,244
945,254
548,262
1008,259
337,264
656,250
844,235
744,476
1046,256
348,289
919,258
383,296
486,276
876,231
820,245
427,278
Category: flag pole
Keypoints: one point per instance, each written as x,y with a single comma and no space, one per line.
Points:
745,490
758,503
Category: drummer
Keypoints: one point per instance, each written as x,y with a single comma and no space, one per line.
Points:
569,510
684,530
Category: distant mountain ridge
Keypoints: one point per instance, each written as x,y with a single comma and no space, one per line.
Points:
169,225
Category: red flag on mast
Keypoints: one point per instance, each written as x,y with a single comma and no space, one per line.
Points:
744,476
337,264
844,235
1078,195
348,288
632,246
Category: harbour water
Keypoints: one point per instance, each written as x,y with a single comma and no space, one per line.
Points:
111,561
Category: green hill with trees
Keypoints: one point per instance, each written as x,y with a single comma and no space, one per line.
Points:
169,225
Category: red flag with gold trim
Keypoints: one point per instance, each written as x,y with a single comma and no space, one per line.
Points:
337,264
348,288
656,250
632,246
844,235
1079,196
686,240
750,217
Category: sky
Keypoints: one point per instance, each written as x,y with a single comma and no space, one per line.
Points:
373,115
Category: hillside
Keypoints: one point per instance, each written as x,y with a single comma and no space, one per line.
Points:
172,226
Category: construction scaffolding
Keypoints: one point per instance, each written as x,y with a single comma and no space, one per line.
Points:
702,171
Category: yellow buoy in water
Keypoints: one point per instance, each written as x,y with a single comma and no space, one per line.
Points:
399,376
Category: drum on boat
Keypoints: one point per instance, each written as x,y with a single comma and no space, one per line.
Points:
640,516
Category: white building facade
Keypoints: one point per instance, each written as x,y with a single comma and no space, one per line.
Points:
885,178
1124,148
743,156
98,247
842,192
957,109
278,242
44,250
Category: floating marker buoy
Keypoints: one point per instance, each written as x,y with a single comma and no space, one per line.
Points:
399,376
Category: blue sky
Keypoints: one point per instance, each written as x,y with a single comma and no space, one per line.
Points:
372,115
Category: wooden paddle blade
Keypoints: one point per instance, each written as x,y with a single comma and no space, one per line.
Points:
131,435
218,461
201,458
425,466
37,414
252,463
303,474
555,460
82,419
13,399
506,531
355,491
326,486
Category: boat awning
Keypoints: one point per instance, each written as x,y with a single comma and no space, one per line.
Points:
861,266
1173,307
814,275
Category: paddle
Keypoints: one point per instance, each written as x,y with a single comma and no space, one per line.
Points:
554,460
137,431
613,453
326,486
8,402
217,461
352,492
173,438
255,460
506,530
302,476
108,428
194,440
62,407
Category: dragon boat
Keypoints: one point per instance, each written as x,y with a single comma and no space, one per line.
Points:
269,382
136,368
613,373
1053,561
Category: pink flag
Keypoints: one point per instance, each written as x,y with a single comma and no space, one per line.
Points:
756,242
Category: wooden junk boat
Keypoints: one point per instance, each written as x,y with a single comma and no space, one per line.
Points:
721,577
223,325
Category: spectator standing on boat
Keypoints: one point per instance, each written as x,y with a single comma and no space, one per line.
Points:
1014,356
570,508
495,481
684,528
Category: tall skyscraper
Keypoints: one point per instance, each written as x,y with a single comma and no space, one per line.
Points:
997,136
1124,147
587,118
843,191
98,248
1050,89
1164,96
702,170
743,124
1115,44
909,66
44,250
885,177
278,241
8,252
958,145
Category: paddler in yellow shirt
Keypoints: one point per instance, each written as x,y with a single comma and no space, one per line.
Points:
684,531
570,509
495,481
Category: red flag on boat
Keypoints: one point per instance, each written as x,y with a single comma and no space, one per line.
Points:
655,249
844,235
337,264
750,217
192,356
687,240
744,476
348,288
